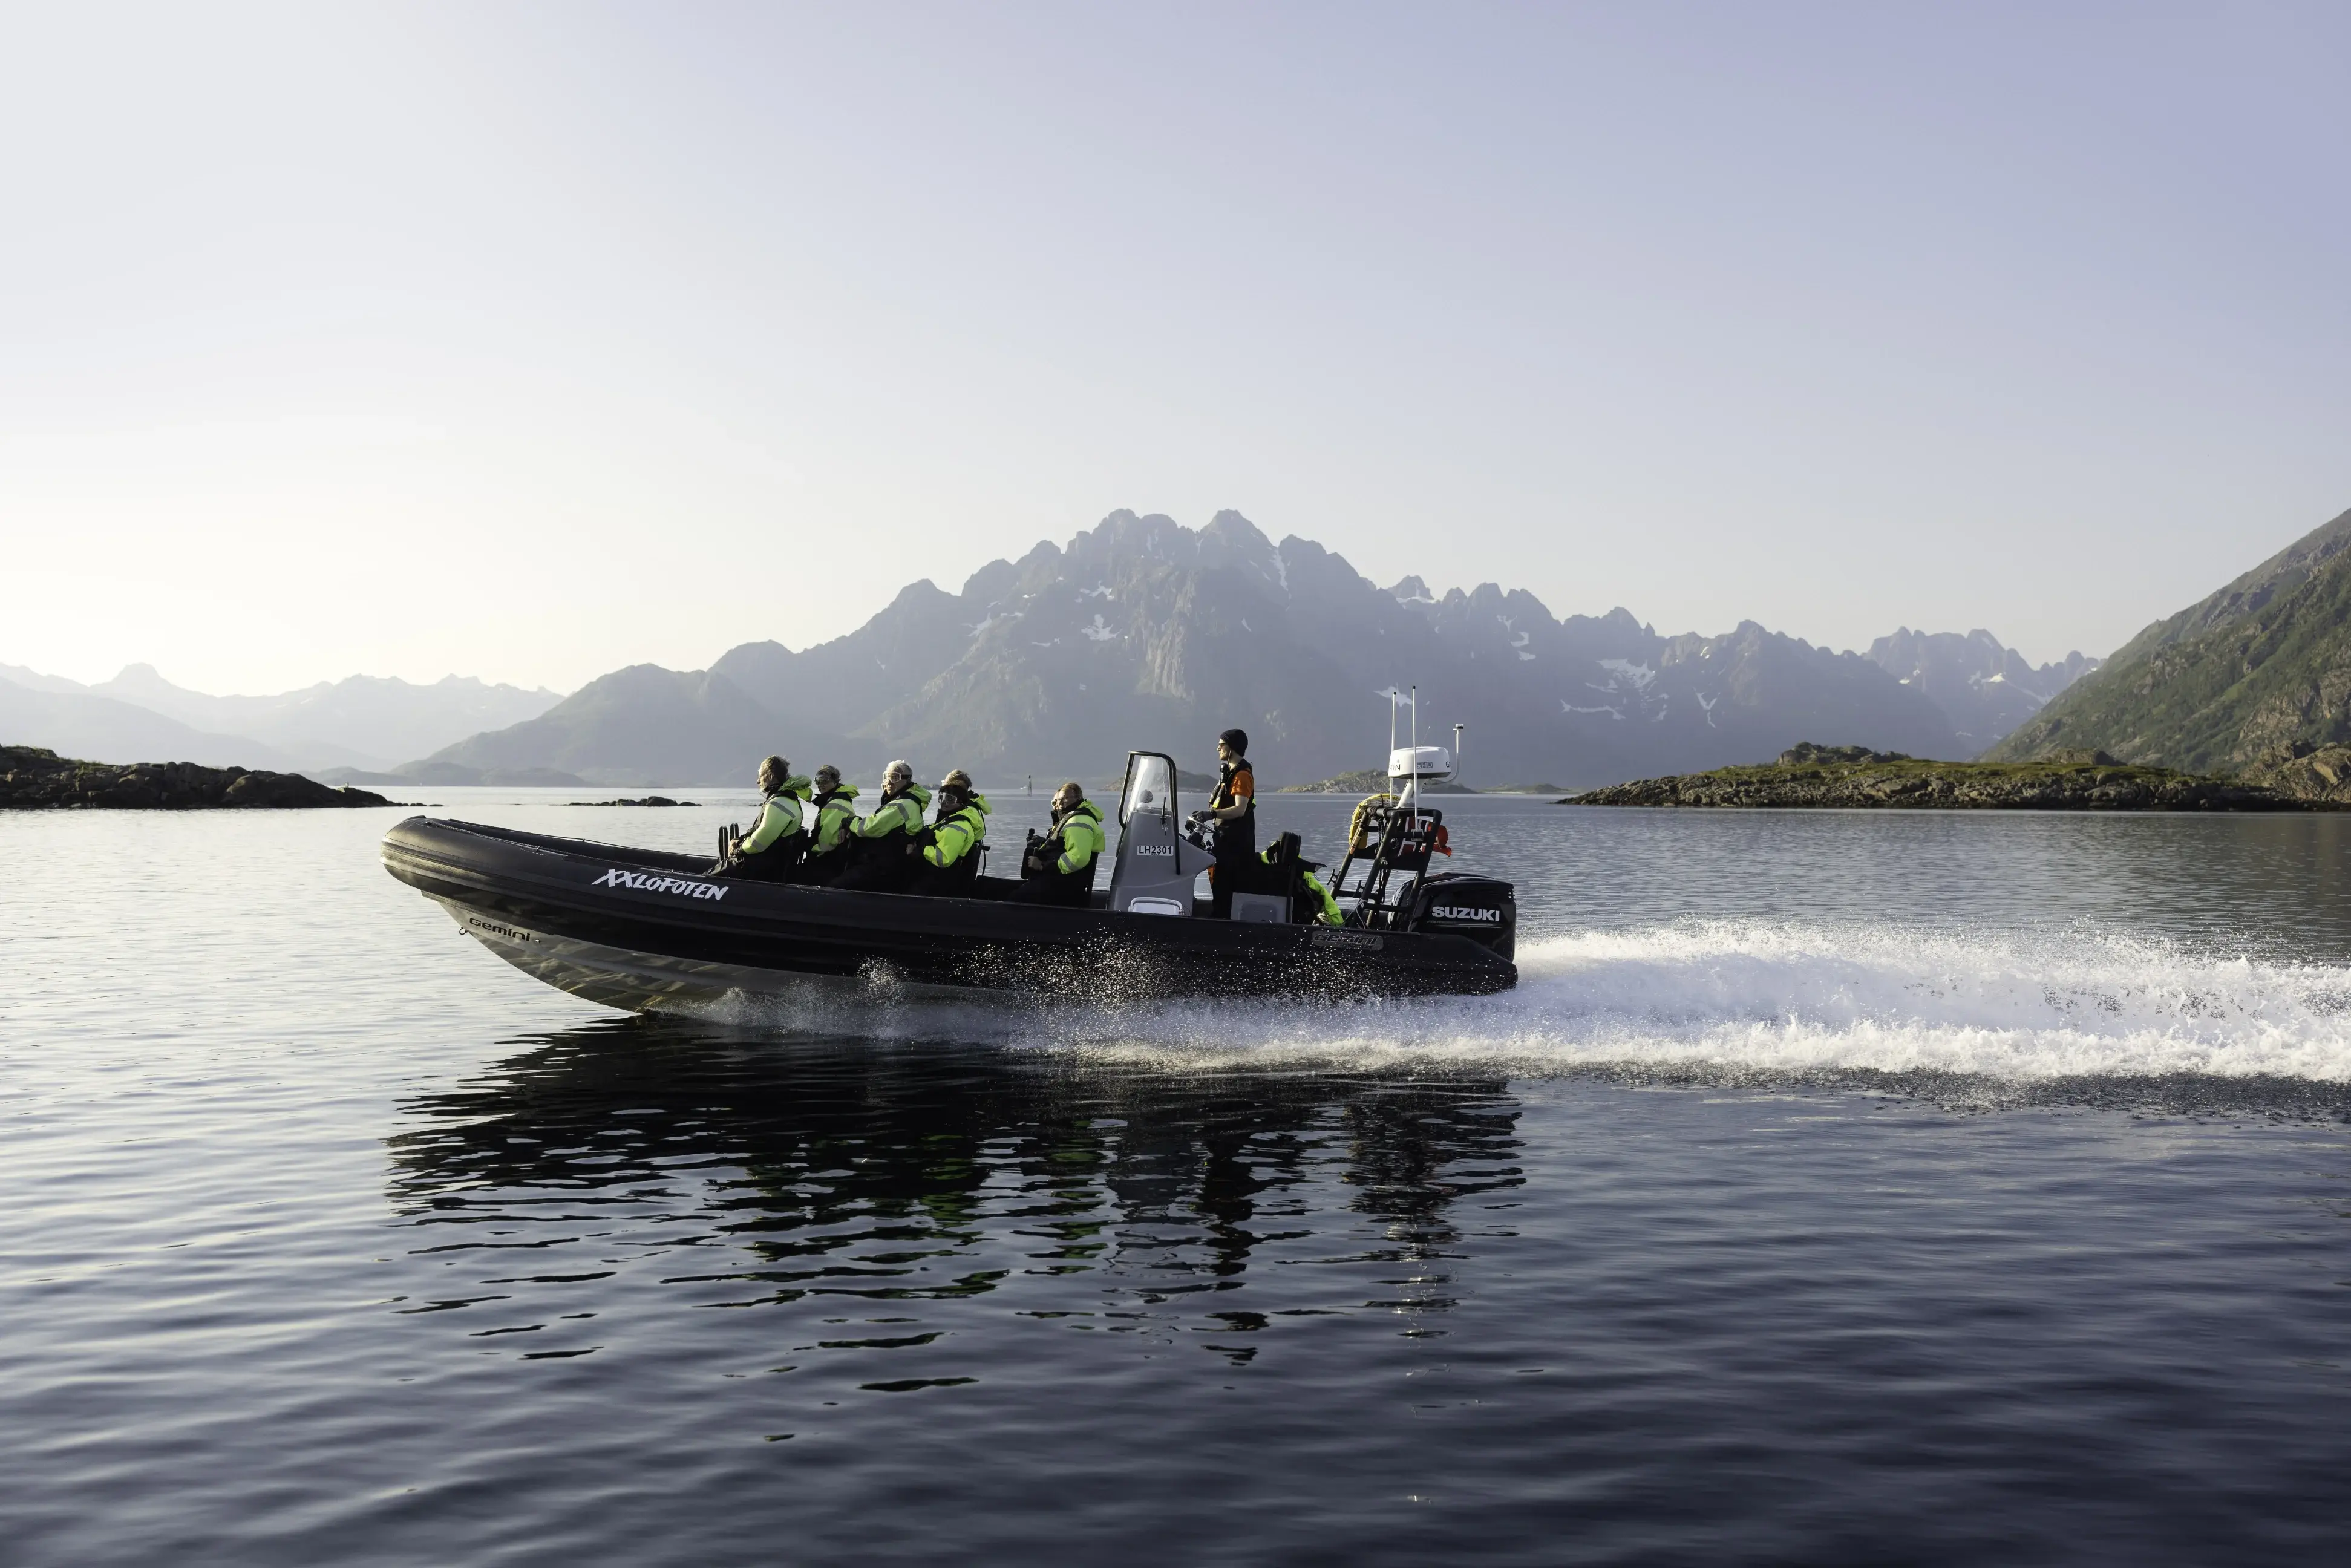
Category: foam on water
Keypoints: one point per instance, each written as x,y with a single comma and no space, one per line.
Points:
1756,997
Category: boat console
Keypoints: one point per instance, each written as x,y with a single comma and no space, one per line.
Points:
1155,865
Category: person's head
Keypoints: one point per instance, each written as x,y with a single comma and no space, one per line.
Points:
827,777
957,784
772,772
1232,746
1067,796
897,777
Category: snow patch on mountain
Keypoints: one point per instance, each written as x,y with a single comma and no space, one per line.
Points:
1637,675
1411,590
1518,640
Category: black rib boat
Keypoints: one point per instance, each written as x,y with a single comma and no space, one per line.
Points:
638,928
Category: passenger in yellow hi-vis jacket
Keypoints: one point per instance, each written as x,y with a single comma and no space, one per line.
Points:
1061,869
832,841
951,846
771,850
887,849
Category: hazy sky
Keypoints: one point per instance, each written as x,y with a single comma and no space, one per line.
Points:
532,341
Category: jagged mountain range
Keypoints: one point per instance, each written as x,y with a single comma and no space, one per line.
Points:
364,722
1140,632
2258,670
1984,689
1143,633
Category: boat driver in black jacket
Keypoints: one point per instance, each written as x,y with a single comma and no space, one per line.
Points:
1232,811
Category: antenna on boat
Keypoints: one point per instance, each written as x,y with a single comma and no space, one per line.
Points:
1411,786
1456,751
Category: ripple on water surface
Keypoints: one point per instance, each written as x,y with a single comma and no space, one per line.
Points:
330,1239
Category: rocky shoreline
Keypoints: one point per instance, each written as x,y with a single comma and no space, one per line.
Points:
2305,771
1850,777
33,778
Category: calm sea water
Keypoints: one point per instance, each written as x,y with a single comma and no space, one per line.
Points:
1838,1187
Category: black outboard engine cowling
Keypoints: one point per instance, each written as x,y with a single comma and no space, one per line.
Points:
1457,904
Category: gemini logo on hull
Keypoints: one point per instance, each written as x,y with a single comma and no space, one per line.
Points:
675,884
494,929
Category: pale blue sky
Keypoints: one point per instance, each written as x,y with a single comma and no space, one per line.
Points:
531,340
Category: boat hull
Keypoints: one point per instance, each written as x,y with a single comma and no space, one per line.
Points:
638,981
635,929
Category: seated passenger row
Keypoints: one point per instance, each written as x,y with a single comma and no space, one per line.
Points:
891,850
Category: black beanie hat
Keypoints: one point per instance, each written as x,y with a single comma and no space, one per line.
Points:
1238,739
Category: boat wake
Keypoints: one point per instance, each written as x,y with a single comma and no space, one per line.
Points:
1743,1002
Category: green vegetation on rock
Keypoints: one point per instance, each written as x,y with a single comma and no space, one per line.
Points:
2254,680
1853,776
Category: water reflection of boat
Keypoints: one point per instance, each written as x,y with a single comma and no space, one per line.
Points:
635,928
901,1174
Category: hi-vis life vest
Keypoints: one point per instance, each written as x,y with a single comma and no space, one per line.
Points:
898,814
779,815
1077,839
952,838
835,819
1327,909
1330,913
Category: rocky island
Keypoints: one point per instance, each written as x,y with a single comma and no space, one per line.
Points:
1365,781
32,778
1854,776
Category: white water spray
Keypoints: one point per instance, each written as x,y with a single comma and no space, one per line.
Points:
1761,998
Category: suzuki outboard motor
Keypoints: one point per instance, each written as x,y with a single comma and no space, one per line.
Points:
1457,904
1155,869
